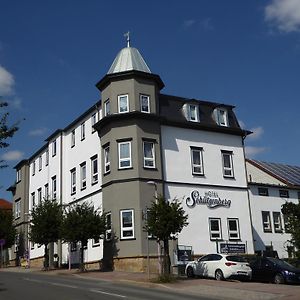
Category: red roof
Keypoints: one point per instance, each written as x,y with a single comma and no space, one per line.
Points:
5,204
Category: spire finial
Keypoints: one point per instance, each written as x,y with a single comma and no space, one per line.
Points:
127,35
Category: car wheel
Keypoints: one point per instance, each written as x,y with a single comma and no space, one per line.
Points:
190,272
278,279
219,275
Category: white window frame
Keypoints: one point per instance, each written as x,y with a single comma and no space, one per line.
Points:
46,189
54,187
17,208
19,175
263,191
214,232
124,159
196,166
142,99
222,117
284,194
233,234
267,226
33,168
47,158
96,243
94,173
40,162
39,195
73,181
33,199
93,121
277,222
127,228
83,176
73,140
149,162
194,118
54,148
107,108
120,97
106,152
82,131
225,168
108,223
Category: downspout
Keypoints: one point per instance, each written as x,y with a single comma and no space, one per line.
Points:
59,243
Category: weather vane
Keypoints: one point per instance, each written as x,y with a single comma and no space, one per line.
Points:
127,35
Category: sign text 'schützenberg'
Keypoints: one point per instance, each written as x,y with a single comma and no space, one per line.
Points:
210,198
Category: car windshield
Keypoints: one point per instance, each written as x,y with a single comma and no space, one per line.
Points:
280,262
236,258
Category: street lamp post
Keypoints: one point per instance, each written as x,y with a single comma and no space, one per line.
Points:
27,241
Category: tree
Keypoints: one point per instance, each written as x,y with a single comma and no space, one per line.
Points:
46,221
164,220
5,130
81,223
291,212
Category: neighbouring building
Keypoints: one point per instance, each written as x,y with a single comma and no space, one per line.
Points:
270,186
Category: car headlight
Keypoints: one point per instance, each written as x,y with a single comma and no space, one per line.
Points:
289,273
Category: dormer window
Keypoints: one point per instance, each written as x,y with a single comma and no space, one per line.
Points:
221,117
191,112
145,104
123,104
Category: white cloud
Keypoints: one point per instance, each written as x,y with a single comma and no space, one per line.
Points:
188,23
12,155
284,14
6,82
38,131
207,24
257,133
253,151
242,124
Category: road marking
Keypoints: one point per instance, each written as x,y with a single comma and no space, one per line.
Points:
34,280
105,293
64,285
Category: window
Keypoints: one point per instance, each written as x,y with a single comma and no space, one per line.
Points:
227,164
33,199
193,113
73,181
46,191
82,131
19,177
83,176
145,104
54,148
108,227
266,221
96,242
94,168
106,160
93,121
54,187
73,246
286,224
32,245
47,158
197,161
149,154
73,138
18,208
39,191
40,163
233,229
277,222
124,155
221,117
263,191
284,194
215,229
123,103
106,108
127,224
33,168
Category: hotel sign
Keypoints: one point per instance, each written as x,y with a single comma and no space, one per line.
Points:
210,198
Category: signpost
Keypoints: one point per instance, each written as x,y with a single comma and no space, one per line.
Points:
230,248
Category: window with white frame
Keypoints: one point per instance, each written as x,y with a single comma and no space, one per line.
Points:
17,242
54,188
284,194
197,161
227,164
33,199
46,191
127,224
93,121
73,181
107,108
94,169
108,226
33,168
221,117
82,130
266,220
40,162
107,159
123,104
19,175
96,242
262,191
39,193
145,103
73,138
193,112
18,208
47,158
233,229
54,146
277,222
215,229
83,176
149,154
32,245
124,154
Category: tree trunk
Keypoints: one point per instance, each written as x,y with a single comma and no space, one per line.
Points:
82,268
46,258
167,261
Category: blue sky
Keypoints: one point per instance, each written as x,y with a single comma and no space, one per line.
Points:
244,53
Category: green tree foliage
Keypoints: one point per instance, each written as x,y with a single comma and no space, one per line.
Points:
291,212
81,223
7,229
5,130
46,221
164,220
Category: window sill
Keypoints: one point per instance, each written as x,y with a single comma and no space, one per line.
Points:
73,193
127,168
96,245
268,231
198,175
229,177
278,231
106,173
150,168
235,239
93,183
83,188
128,239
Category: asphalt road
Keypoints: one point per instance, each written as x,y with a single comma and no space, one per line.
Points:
28,286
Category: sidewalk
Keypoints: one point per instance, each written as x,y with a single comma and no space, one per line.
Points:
202,287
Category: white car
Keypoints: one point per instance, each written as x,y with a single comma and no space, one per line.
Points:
220,267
